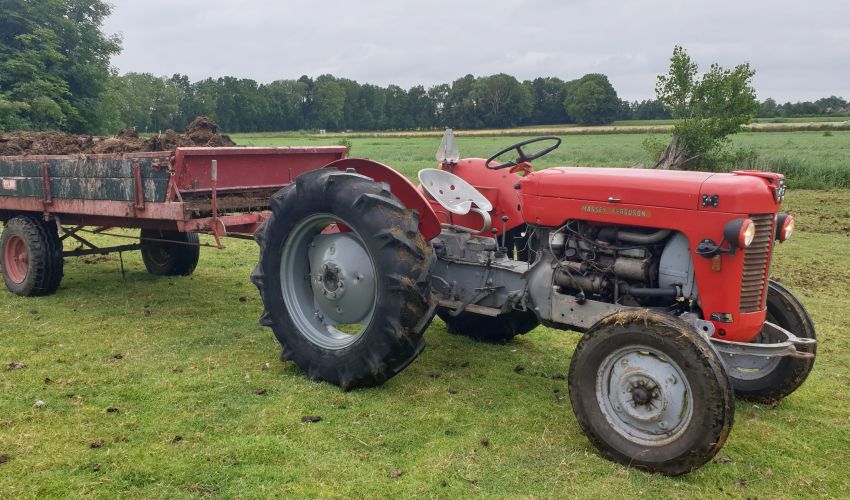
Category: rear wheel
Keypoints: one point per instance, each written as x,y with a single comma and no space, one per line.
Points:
767,380
170,253
649,392
344,276
488,328
31,256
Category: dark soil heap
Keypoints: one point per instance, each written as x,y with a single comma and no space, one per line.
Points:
201,132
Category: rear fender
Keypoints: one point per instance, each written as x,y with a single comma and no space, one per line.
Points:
403,189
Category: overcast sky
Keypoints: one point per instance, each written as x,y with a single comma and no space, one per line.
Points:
800,50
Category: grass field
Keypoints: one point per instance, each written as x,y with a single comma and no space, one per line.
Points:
809,159
159,387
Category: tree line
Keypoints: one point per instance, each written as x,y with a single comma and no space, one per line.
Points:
831,105
150,103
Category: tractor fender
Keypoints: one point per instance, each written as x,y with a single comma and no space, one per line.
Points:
403,189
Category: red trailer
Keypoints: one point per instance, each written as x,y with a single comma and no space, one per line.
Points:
170,196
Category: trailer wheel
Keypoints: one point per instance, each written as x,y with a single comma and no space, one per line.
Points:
31,256
162,258
344,275
501,328
649,392
767,380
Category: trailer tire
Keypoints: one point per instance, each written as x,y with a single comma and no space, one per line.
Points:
483,328
31,256
781,376
347,306
170,259
650,392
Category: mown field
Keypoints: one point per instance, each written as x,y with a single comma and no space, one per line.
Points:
169,388
811,160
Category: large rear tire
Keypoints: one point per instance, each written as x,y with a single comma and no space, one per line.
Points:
164,258
344,275
650,392
501,328
768,380
31,256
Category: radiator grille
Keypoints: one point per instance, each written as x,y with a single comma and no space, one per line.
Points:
756,261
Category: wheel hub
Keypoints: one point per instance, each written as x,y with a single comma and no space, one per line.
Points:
342,278
16,259
644,395
333,301
332,284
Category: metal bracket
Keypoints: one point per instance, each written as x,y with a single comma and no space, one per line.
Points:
47,195
712,200
138,187
779,349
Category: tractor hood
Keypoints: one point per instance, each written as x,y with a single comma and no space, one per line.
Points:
739,192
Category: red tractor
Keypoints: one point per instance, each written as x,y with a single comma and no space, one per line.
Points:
665,273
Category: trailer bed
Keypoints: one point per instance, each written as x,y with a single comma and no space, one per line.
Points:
166,190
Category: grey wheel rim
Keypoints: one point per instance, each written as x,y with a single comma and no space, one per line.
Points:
328,282
644,395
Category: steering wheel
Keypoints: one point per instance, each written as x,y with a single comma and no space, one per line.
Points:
522,155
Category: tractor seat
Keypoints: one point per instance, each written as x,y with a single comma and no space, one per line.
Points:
455,194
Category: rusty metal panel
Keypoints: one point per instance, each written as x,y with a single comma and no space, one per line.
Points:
15,186
84,178
244,169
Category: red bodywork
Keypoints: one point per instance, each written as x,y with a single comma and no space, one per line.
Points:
643,198
403,189
496,185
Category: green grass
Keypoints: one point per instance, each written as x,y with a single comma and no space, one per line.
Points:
810,160
193,364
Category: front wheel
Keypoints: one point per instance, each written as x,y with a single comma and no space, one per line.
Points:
649,392
344,275
767,380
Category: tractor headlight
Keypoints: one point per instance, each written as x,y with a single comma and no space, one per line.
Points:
739,233
784,226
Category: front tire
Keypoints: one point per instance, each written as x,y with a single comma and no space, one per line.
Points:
170,253
769,380
31,256
344,275
649,392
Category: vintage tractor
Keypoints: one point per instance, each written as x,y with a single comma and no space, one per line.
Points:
665,273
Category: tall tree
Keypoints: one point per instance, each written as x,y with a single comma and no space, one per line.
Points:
592,100
707,109
548,106
54,63
285,99
461,108
329,97
501,100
